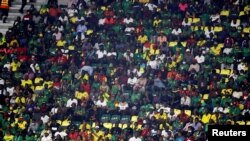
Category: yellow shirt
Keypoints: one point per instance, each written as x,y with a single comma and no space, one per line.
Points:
107,136
22,125
142,39
38,88
14,66
49,83
60,43
216,50
24,82
205,118
20,100
8,138
88,127
81,95
38,80
159,116
97,135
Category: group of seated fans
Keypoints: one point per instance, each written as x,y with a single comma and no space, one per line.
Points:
125,70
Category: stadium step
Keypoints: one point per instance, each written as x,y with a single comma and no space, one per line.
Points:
14,13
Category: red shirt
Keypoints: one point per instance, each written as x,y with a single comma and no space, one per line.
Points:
57,84
23,58
86,87
54,12
183,6
109,21
182,117
21,50
109,13
73,135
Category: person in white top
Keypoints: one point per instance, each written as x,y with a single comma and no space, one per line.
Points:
151,6
132,80
61,133
71,101
235,23
101,103
46,137
128,20
200,58
185,22
185,101
176,31
72,11
209,32
45,118
215,18
55,109
101,53
237,94
135,138
123,105
217,108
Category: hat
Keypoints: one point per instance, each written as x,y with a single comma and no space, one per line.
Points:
188,50
97,127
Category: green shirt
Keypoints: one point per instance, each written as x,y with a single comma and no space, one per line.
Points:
18,138
235,111
30,138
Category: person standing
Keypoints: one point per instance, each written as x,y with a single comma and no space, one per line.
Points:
4,7
24,2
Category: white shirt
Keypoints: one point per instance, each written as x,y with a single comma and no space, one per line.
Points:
63,19
186,101
70,102
207,33
237,94
227,50
150,6
45,119
153,64
100,103
100,54
176,31
195,67
71,12
164,133
128,20
241,66
46,138
128,30
132,81
10,90
101,21
54,110
7,65
217,109
62,134
135,139
123,105
184,23
200,59
234,24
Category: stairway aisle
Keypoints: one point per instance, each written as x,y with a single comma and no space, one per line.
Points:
14,13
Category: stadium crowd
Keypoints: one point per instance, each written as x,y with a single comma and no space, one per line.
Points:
142,70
